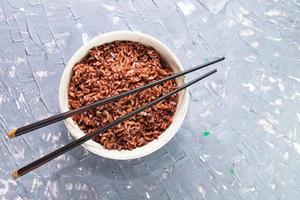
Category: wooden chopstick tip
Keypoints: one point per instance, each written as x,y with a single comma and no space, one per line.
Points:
15,175
11,133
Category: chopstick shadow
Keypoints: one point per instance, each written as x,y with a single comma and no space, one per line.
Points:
95,167
82,163
88,165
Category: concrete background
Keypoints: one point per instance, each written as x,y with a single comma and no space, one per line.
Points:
251,107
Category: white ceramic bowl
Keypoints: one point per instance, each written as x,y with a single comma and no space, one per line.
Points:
166,54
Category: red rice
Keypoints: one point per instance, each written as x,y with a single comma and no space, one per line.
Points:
114,68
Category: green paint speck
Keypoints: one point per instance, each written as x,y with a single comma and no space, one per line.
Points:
205,133
206,60
231,172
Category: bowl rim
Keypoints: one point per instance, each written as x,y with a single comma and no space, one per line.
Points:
138,152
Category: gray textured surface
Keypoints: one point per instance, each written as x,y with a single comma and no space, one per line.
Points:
251,107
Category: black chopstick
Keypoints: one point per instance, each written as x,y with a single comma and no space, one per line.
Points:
24,170
45,122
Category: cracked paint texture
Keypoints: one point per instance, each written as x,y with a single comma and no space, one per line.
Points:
251,107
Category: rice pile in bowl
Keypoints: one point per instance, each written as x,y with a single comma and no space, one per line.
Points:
115,68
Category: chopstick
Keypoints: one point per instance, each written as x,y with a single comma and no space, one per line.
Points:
41,161
45,122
